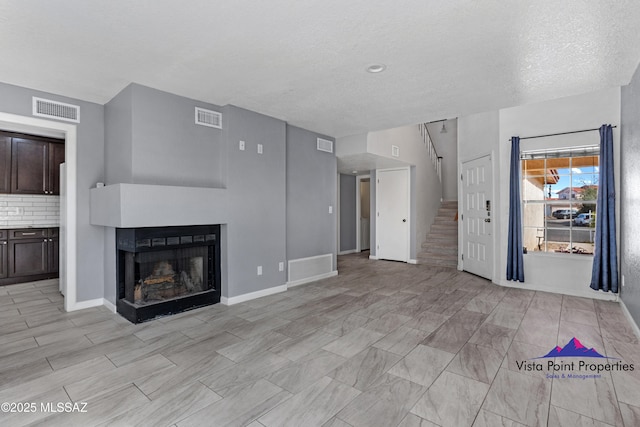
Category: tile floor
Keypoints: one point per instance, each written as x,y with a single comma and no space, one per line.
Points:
382,344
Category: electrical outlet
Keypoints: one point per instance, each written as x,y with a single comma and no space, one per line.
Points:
259,270
241,145
259,148
330,209
281,266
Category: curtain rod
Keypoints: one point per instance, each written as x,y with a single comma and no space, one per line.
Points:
561,133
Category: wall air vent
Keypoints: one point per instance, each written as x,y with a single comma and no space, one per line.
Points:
56,110
395,151
325,145
209,118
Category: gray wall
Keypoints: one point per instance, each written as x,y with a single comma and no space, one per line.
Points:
90,140
347,212
151,138
256,183
629,201
311,189
118,135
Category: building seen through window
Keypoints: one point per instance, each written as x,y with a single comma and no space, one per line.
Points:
559,193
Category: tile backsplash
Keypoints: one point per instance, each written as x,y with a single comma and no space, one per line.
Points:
23,210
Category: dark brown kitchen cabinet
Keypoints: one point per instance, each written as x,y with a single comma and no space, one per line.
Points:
3,254
5,164
32,164
29,166
53,251
28,257
28,254
35,166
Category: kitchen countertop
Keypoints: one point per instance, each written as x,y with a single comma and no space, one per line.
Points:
24,227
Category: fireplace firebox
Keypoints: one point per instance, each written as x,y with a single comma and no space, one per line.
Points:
167,270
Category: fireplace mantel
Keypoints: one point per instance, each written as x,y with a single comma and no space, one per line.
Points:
141,205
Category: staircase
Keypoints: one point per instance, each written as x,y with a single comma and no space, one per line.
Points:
441,247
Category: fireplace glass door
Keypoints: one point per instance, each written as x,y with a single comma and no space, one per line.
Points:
169,274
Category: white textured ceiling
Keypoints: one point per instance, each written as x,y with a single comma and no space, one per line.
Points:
304,61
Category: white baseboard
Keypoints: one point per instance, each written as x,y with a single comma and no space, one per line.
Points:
111,307
634,325
412,261
312,279
81,305
252,295
350,251
586,292
373,257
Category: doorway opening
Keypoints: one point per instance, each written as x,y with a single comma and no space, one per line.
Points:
68,202
363,213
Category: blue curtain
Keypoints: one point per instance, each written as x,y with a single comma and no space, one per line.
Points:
515,261
604,274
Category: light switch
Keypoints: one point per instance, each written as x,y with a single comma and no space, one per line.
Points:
330,209
241,146
259,148
281,266
259,270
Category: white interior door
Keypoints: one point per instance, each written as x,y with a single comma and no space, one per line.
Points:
477,217
392,201
365,200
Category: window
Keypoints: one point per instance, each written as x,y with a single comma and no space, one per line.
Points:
559,192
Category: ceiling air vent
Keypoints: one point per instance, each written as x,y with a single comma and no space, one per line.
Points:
56,110
395,151
325,145
209,118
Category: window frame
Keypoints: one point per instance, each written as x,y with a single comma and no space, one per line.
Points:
571,203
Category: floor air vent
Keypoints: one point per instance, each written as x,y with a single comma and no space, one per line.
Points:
325,145
56,110
208,118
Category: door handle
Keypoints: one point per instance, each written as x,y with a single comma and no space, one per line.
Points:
404,220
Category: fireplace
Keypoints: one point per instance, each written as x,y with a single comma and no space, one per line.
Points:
167,270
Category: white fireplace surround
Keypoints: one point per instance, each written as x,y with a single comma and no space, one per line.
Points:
142,205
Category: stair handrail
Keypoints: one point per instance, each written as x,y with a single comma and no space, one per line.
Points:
431,149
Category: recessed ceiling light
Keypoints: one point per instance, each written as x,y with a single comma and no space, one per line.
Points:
376,68
354,171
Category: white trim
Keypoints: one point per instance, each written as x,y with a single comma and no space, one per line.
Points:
81,305
109,305
586,293
373,257
40,126
350,251
312,279
634,325
412,261
252,295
